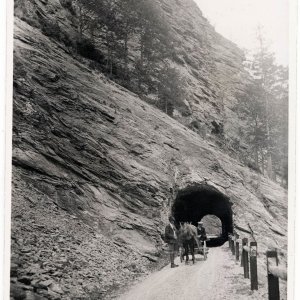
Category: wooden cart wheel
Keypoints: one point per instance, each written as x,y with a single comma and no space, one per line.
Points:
204,250
181,255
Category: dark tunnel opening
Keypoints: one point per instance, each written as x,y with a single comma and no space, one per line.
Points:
193,203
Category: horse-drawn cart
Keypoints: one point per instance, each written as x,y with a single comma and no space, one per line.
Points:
191,243
201,248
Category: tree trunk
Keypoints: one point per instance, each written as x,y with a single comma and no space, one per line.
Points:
262,161
126,55
265,87
256,145
270,166
269,155
80,25
92,32
109,62
256,156
141,63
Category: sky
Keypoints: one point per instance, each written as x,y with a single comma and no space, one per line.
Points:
238,20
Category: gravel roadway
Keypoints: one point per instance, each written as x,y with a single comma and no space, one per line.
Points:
218,277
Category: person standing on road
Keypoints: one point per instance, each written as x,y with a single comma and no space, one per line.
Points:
172,239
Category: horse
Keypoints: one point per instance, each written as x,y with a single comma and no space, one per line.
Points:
187,236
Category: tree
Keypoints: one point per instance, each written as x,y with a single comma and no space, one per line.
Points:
171,89
101,15
85,11
115,25
279,123
265,106
252,108
155,42
264,70
128,27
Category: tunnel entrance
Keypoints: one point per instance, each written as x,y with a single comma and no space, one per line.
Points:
194,203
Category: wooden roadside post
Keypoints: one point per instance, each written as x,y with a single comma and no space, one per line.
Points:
273,281
253,265
237,247
237,251
244,243
204,250
233,245
245,259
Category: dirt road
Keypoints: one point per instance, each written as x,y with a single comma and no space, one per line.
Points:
217,278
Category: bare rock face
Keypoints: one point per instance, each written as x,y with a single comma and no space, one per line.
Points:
213,68
96,172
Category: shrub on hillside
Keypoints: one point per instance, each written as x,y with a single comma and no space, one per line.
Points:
53,30
251,165
87,49
68,4
50,29
195,124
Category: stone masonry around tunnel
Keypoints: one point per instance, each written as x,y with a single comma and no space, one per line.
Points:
195,202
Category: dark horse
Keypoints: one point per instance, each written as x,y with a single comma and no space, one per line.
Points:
187,236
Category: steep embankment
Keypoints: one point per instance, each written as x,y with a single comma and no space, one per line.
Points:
95,174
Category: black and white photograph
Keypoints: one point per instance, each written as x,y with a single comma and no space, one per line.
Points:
150,152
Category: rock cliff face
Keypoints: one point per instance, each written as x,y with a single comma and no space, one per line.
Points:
96,171
213,68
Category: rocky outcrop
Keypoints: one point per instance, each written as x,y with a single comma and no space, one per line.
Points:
213,68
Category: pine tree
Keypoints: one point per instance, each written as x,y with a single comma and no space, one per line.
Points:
171,89
279,123
265,106
251,108
154,40
264,70
112,25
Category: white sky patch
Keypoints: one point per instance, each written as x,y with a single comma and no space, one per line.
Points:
238,20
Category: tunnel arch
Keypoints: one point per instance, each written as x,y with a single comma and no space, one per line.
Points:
194,202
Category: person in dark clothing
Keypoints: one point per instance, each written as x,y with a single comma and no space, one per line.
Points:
201,232
202,237
172,239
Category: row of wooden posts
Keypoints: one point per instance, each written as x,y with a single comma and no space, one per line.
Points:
249,264
247,251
